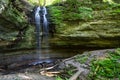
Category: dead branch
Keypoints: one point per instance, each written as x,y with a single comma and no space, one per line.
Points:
48,68
68,59
50,74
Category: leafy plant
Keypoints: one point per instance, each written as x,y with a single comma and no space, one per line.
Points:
15,16
58,78
108,67
56,14
109,1
82,58
85,13
70,11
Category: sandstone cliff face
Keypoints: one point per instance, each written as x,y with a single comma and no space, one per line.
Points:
13,21
101,31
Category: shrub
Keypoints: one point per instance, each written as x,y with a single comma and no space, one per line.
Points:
108,68
56,14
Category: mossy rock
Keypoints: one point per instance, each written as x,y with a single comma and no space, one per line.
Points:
101,33
14,23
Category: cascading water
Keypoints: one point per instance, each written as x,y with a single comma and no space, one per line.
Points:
38,26
45,27
45,22
42,30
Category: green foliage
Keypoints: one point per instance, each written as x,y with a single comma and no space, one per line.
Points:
74,11
58,78
108,1
56,14
70,11
28,40
73,3
81,58
68,72
115,9
34,2
108,68
115,12
15,16
56,1
85,13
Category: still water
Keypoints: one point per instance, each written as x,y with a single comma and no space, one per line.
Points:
10,57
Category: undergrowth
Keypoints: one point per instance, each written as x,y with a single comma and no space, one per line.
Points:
71,10
107,68
104,68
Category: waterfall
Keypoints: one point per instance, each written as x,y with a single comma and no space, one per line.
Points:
42,30
38,26
45,22
45,27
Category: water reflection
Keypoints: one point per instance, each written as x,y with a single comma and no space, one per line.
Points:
26,55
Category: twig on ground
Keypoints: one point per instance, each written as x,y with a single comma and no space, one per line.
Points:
68,59
48,68
50,74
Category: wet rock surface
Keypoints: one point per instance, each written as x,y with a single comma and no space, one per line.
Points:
14,23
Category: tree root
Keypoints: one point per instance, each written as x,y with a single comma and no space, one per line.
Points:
74,77
69,61
80,70
50,74
46,72
48,68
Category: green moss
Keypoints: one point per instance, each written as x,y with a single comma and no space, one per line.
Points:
28,39
14,16
11,36
56,14
70,11
81,58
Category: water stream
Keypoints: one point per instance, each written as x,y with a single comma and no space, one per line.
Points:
45,30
